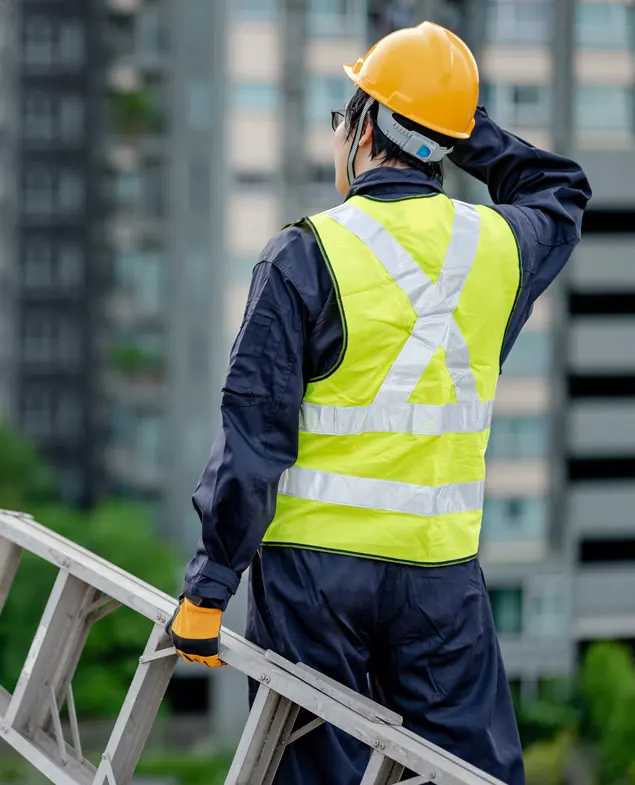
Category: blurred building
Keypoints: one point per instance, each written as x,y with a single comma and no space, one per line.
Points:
9,56
58,282
558,534
164,152
570,509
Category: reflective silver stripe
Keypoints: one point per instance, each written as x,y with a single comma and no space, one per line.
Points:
381,494
396,418
434,304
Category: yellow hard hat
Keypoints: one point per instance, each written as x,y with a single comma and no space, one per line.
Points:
425,73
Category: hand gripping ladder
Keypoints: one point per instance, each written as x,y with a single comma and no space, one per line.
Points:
87,588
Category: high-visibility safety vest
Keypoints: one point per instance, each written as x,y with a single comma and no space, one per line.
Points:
391,460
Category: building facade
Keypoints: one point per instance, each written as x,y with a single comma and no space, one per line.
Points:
59,279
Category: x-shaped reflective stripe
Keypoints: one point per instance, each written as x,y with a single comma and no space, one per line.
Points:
434,303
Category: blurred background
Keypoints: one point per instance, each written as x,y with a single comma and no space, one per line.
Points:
148,150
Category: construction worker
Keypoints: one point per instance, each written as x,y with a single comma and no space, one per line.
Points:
350,469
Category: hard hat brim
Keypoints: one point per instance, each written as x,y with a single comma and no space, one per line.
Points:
359,81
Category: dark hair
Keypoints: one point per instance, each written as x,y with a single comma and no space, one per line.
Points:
386,150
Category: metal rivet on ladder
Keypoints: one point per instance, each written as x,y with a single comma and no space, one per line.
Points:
432,775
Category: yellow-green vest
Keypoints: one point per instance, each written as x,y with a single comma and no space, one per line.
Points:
391,461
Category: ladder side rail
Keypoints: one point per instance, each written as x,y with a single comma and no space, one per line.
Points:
42,753
400,745
23,527
109,579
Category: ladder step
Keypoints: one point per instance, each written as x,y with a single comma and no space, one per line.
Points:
264,739
381,770
49,655
139,710
10,554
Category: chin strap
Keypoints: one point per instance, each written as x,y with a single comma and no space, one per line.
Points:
415,144
356,137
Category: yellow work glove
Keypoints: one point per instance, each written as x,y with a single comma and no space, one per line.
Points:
195,631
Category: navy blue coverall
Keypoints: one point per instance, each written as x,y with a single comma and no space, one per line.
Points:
424,637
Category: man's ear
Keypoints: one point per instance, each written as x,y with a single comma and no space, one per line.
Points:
366,139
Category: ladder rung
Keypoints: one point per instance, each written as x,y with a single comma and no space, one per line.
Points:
382,771
264,739
49,652
139,710
9,561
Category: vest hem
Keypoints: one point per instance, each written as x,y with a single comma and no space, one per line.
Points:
359,555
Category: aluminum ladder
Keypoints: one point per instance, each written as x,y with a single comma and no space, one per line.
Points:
88,588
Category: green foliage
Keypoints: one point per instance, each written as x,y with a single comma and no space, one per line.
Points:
546,762
129,358
542,720
24,480
187,769
179,768
119,532
134,112
607,671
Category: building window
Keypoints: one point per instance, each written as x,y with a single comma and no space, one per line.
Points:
530,356
515,518
70,192
150,33
507,609
148,443
547,606
326,93
53,43
71,43
255,9
604,107
39,42
49,192
519,21
518,437
605,25
38,266
50,413
518,105
37,412
49,338
53,118
70,265
45,267
70,118
256,96
338,17
140,275
128,189
39,191
39,121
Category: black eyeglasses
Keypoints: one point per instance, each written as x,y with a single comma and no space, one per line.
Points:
337,118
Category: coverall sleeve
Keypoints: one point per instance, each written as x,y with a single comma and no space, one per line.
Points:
541,195
236,494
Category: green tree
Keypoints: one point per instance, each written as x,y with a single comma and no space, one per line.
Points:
607,689
119,532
